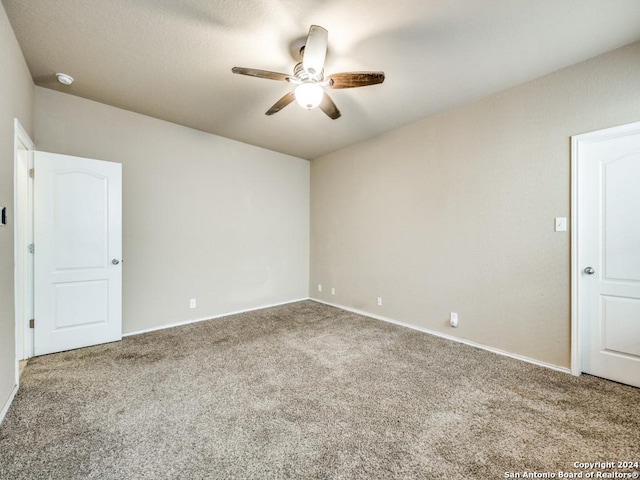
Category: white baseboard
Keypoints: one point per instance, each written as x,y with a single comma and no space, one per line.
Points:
8,403
210,317
448,337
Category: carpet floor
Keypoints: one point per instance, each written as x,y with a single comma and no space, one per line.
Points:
312,392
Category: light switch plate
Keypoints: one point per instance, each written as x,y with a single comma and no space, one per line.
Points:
561,224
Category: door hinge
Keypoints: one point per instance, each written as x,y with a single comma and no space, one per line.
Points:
31,172
31,247
31,323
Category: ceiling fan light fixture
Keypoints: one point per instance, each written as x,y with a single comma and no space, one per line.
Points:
309,77
309,95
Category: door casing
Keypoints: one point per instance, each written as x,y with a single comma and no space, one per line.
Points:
23,222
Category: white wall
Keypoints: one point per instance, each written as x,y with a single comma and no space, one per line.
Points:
204,217
16,101
456,212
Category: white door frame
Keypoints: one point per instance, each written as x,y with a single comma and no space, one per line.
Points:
576,326
23,221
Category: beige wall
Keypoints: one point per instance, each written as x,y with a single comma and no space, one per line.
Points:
456,212
204,217
16,101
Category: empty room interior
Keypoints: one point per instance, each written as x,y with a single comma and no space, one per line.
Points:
319,239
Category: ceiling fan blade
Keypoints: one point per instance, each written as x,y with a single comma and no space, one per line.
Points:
280,104
328,107
355,79
315,50
253,72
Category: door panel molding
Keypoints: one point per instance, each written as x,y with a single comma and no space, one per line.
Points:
78,234
580,242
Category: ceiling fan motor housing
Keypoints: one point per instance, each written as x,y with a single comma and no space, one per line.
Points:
305,76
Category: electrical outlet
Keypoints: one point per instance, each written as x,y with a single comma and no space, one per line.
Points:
319,287
379,301
333,291
453,319
192,303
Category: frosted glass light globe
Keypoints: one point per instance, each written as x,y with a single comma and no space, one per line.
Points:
309,95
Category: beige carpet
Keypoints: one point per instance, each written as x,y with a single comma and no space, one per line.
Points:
311,392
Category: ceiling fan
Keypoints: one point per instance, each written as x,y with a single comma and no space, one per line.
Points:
308,76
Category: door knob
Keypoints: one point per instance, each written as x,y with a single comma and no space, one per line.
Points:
589,271
115,261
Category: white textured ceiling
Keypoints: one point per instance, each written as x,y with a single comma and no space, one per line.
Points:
172,59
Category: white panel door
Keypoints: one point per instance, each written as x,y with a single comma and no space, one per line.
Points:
78,251
608,252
